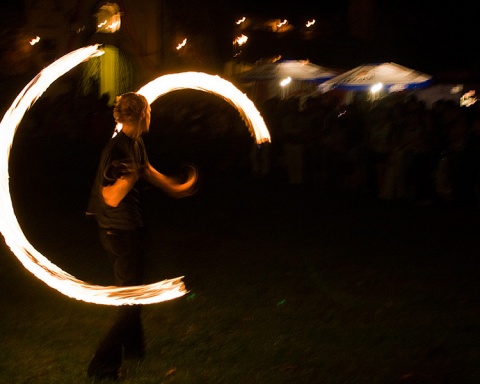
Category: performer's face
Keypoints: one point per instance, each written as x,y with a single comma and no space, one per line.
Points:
145,123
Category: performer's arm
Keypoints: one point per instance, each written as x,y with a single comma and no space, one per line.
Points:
114,194
169,184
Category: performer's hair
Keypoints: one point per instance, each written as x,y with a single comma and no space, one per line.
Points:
129,107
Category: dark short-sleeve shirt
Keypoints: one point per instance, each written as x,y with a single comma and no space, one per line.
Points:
121,156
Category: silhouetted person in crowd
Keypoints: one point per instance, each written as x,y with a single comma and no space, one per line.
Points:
115,204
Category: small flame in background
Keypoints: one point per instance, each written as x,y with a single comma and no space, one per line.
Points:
35,40
182,44
33,260
240,40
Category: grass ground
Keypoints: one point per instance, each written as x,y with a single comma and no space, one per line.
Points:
284,287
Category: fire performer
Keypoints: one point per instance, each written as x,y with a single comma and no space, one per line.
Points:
115,204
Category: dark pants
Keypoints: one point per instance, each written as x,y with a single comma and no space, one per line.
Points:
125,252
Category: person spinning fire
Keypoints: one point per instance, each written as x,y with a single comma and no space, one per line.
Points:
115,205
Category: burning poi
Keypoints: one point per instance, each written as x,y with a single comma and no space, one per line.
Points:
41,266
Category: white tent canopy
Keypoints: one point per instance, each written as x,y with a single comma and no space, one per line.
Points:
392,77
284,79
295,69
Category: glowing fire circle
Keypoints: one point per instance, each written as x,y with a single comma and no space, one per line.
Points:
33,260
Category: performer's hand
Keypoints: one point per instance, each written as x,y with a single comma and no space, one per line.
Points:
189,181
177,187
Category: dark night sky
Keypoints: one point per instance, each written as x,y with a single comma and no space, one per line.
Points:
282,8
423,35
430,36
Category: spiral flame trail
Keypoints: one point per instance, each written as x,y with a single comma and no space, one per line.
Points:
33,260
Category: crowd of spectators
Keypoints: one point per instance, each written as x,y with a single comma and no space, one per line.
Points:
395,148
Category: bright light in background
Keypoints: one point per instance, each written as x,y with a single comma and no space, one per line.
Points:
310,23
35,40
456,89
240,40
182,44
33,260
242,20
284,22
108,18
286,81
468,99
376,88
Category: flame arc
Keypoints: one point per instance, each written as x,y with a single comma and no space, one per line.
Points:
37,263
215,85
